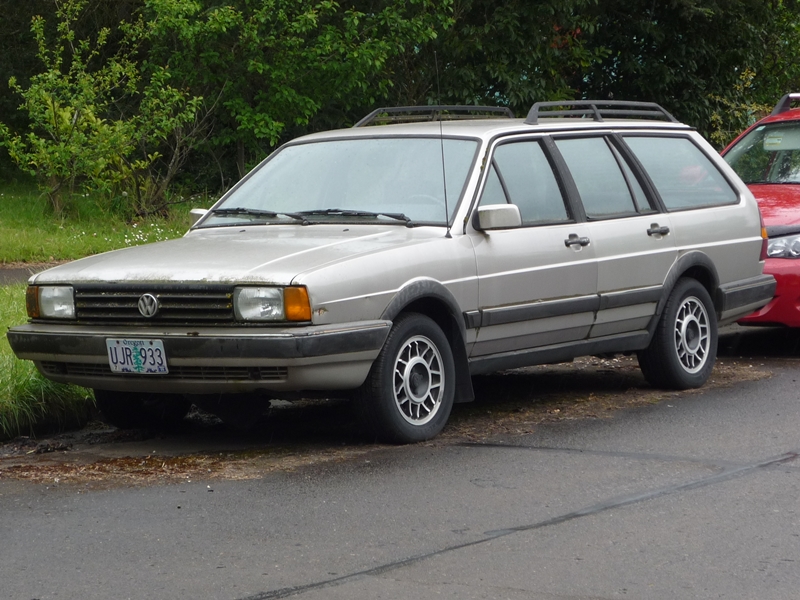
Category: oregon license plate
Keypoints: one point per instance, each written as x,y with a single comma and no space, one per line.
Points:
146,357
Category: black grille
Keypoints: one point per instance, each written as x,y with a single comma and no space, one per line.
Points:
202,305
182,372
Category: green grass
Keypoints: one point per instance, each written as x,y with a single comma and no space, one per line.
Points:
29,403
29,232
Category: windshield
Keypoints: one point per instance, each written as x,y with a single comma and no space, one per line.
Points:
393,180
768,154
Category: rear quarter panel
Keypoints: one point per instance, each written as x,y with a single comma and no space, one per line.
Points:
730,235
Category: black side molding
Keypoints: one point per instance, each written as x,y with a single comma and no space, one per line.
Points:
745,292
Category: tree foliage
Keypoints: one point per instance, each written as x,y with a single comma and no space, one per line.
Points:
690,55
135,97
276,64
511,53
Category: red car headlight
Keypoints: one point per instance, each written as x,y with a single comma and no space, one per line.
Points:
787,246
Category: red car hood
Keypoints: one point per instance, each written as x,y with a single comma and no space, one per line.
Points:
779,203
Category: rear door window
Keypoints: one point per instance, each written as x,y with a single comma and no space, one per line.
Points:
682,174
604,188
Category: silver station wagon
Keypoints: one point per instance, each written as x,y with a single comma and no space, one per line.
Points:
392,261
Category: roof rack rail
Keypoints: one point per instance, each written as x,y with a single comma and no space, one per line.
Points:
413,114
597,109
784,104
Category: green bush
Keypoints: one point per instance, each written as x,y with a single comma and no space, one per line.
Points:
99,123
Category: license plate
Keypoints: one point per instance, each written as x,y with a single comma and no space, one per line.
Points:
145,357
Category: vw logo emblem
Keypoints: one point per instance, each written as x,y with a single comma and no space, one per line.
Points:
148,305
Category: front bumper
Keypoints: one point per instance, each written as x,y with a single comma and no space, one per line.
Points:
210,359
784,308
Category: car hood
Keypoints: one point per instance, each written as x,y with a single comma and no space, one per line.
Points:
260,254
779,203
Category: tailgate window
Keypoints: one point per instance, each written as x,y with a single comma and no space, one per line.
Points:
682,174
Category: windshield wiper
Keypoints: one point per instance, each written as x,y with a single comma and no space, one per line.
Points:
303,215
240,210
256,212
357,213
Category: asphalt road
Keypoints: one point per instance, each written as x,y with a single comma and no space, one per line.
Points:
693,496
20,272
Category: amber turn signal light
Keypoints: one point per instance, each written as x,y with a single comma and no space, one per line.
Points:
296,304
32,301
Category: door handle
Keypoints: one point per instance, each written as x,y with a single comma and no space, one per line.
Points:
574,240
655,229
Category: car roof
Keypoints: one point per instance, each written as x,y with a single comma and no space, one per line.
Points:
783,111
490,128
789,115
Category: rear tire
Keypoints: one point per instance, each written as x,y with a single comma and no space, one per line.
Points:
130,410
682,352
409,391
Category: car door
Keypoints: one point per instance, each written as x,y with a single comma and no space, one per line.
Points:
537,282
632,241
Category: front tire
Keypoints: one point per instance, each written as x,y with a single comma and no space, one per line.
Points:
682,352
129,410
409,391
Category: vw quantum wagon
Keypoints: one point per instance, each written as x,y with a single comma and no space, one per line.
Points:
394,260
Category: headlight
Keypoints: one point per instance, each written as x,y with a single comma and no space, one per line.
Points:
784,247
271,304
50,302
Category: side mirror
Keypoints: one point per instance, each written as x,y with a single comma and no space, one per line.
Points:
496,216
196,214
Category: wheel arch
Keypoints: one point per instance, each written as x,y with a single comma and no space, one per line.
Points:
699,267
432,299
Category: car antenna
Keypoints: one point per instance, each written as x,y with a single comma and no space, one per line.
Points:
441,145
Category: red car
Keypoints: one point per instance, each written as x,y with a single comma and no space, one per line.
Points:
767,157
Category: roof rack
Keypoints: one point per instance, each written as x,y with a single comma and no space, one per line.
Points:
784,104
597,109
412,114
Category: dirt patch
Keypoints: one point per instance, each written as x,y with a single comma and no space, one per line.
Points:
293,435
154,468
515,402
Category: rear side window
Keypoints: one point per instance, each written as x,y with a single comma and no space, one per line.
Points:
683,175
521,174
601,184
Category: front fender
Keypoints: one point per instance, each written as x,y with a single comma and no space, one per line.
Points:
432,298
